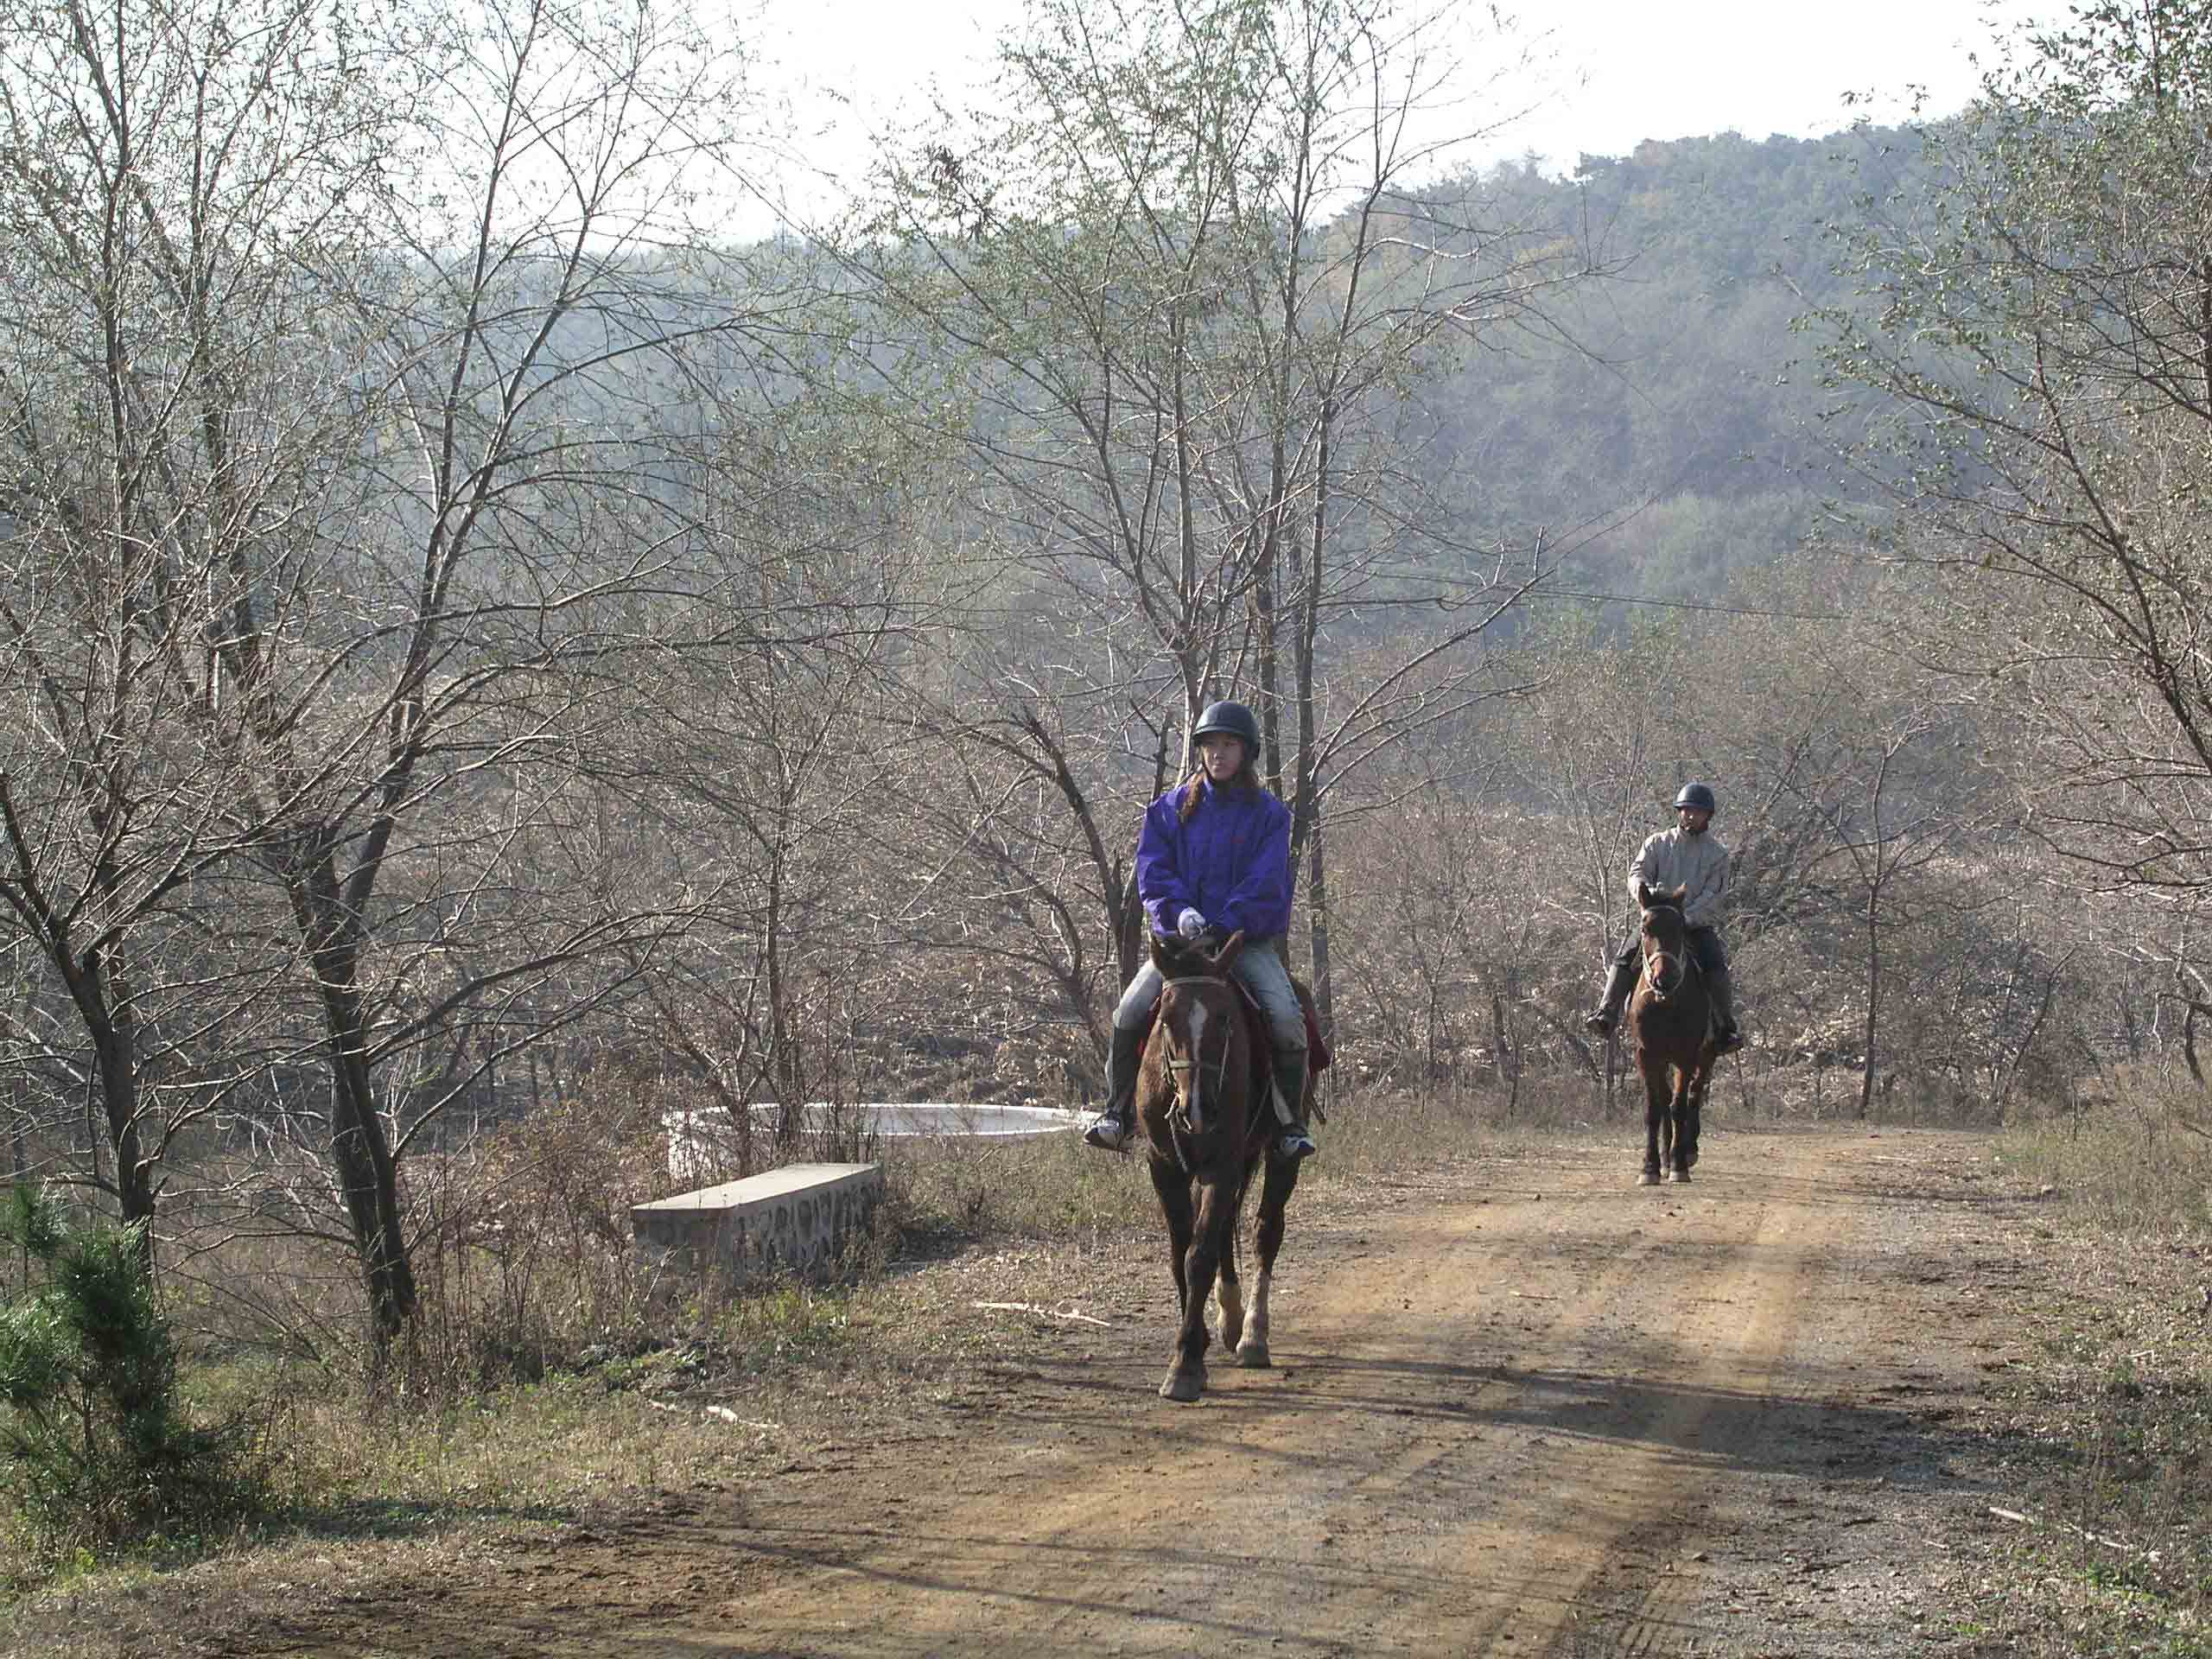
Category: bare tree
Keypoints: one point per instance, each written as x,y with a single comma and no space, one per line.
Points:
393,341
1190,283
2036,338
159,188
1880,835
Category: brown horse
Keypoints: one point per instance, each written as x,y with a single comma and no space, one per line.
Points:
1208,1124
1671,1016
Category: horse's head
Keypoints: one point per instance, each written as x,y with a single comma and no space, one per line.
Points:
1177,957
1198,1034
1665,936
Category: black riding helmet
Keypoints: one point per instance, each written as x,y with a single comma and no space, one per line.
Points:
1233,718
1697,794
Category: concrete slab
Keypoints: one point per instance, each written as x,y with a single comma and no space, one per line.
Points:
798,1217
703,1142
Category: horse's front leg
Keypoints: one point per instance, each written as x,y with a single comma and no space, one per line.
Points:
1657,1089
1217,1211
1267,1239
1229,1290
1694,1110
1679,1114
1173,1186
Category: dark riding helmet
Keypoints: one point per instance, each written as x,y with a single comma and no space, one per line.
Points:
1697,794
1233,718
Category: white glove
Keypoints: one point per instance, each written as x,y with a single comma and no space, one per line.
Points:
1190,925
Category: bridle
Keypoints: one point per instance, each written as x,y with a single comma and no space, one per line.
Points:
1188,1114
1666,969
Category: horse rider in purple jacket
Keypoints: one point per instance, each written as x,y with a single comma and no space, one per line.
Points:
1213,859
1690,857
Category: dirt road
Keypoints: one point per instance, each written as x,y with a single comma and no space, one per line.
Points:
1541,1412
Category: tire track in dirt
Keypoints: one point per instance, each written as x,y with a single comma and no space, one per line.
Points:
1594,1437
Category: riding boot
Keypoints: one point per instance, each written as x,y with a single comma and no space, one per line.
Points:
1111,1129
1296,1140
1727,1039
1619,984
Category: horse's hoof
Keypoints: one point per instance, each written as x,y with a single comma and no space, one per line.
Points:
1649,1178
1184,1386
1254,1356
1680,1178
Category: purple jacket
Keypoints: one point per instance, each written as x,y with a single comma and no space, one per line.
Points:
1230,862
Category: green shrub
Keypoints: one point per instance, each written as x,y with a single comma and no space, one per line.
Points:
98,1448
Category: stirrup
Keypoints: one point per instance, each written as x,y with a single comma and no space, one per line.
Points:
1602,1022
1108,1132
1295,1143
1727,1041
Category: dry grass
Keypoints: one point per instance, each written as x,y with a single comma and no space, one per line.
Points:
2108,1430
2140,1162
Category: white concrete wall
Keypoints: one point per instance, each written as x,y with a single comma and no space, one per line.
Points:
703,1143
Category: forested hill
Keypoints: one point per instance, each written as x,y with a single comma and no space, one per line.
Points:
1668,448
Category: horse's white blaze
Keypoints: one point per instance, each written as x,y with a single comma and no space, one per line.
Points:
1197,1067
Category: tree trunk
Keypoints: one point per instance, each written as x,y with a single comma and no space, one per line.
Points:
368,1174
1873,1010
1263,623
1317,902
113,1054
1508,1055
783,1060
134,1182
368,1171
1305,819
102,1003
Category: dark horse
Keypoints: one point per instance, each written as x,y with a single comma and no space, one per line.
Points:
1202,1104
1671,1016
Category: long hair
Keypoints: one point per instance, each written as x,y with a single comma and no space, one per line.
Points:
1248,776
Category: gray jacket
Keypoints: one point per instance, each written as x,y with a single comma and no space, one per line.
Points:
1674,858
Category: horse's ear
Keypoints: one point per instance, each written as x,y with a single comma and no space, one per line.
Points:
1679,896
1643,895
1227,954
1162,957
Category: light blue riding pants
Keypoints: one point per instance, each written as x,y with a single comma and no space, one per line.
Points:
1259,965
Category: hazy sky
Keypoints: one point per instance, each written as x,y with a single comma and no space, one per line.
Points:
1620,71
